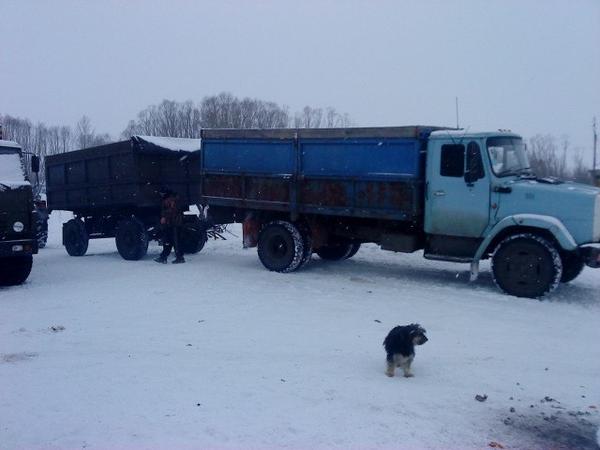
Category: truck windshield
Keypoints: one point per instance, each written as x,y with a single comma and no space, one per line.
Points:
507,155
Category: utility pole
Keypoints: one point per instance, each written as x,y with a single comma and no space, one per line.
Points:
595,144
456,101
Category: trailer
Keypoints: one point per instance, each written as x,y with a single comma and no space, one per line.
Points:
113,191
458,196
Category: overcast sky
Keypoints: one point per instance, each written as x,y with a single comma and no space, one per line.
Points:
531,66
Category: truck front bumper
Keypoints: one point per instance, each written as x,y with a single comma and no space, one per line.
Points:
21,247
591,256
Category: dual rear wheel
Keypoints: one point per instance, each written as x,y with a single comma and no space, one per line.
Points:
284,247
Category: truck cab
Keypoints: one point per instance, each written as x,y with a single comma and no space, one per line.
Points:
17,220
483,201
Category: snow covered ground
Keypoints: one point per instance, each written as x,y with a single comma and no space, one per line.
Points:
97,352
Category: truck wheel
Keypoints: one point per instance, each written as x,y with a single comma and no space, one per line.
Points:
308,244
131,238
75,237
280,246
572,266
354,251
15,270
526,265
193,237
335,252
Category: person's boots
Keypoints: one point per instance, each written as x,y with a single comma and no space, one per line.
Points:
178,260
161,259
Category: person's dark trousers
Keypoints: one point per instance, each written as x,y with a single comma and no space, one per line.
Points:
170,240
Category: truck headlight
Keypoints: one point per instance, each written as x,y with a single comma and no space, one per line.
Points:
18,226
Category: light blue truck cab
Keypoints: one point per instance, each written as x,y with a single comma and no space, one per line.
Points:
482,201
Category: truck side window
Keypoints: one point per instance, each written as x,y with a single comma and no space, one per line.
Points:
474,162
453,160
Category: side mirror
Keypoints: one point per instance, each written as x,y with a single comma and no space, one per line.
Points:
35,163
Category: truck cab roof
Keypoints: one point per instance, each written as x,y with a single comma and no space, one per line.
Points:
462,133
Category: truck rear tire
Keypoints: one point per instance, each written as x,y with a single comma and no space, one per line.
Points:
526,265
131,238
335,252
15,270
572,264
75,237
354,251
280,246
193,237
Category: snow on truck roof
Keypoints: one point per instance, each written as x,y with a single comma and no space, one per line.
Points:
171,143
11,144
11,171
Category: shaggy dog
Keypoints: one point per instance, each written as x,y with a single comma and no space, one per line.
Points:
400,347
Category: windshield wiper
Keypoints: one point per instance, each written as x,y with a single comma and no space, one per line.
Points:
5,187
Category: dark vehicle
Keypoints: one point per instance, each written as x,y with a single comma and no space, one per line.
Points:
113,191
458,196
18,241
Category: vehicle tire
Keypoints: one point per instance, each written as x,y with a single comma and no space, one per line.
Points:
354,251
193,237
15,269
280,246
526,265
131,238
308,244
572,264
75,237
335,252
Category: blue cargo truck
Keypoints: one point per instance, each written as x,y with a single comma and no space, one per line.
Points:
458,196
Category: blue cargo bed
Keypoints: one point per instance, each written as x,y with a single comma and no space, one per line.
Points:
358,172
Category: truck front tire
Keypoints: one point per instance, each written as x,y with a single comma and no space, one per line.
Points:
572,264
526,265
131,238
15,270
280,246
75,237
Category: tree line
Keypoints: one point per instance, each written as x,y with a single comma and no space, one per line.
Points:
548,155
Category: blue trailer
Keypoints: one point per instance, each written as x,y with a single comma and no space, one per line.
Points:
458,196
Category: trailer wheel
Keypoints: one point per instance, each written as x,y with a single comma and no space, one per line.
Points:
131,238
280,246
336,252
75,237
15,269
526,265
354,251
193,237
572,264
41,232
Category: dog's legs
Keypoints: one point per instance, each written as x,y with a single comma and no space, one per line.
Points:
391,366
406,367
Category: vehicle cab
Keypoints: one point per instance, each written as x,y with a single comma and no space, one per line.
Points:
482,200
17,225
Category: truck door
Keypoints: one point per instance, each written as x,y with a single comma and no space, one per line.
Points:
458,190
